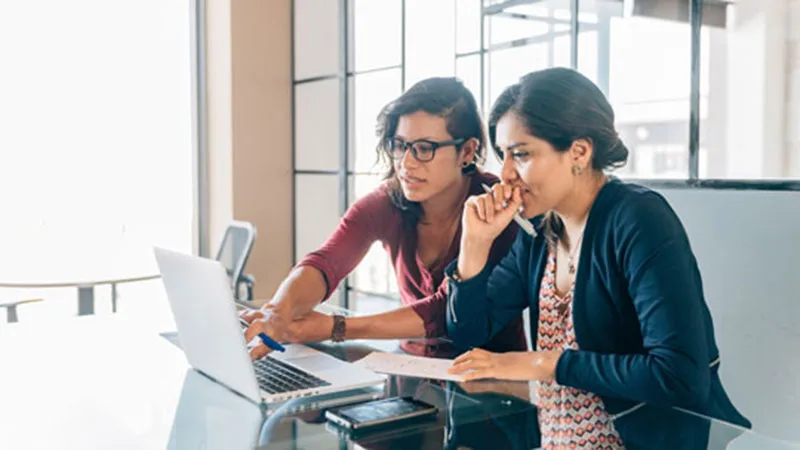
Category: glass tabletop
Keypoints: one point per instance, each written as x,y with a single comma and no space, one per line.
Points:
476,415
471,415
113,383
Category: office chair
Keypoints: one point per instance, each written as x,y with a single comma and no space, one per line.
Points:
233,253
11,308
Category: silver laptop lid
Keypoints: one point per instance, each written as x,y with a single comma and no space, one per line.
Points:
202,304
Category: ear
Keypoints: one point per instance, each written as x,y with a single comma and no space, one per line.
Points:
581,153
468,150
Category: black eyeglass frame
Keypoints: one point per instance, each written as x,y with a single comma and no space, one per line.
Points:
391,144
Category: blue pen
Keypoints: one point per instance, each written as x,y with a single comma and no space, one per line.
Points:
271,343
268,341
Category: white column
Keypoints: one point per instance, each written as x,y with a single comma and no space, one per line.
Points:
757,89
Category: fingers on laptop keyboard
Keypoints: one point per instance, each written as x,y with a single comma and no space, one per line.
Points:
258,351
250,315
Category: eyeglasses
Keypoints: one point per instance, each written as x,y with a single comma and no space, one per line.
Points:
423,150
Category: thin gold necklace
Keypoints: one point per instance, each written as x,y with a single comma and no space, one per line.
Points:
572,254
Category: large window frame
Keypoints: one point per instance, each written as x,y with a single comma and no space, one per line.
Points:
199,129
345,74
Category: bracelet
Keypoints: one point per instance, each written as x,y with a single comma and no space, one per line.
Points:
455,276
337,333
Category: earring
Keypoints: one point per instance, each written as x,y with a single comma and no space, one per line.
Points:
577,170
465,163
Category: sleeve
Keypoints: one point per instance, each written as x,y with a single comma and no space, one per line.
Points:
431,309
479,308
664,283
362,225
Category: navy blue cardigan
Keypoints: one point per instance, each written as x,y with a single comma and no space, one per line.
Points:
642,325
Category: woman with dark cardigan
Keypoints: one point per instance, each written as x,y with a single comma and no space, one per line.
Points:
621,331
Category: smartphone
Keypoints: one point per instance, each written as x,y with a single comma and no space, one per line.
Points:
380,412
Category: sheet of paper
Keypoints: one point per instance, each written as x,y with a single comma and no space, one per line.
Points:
407,365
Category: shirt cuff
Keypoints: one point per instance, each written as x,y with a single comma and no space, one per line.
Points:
474,287
564,369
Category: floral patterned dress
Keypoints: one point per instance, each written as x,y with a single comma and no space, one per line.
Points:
568,417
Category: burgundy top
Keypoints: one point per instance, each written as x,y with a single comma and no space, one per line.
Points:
372,218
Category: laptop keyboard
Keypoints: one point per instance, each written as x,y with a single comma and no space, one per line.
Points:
275,377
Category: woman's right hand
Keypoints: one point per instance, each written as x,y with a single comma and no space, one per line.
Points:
269,321
485,217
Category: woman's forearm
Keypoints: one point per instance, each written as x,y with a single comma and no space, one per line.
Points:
402,323
472,257
300,292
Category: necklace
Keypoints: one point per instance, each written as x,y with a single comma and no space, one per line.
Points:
571,265
572,254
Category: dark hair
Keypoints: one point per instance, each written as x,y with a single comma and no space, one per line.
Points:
559,105
443,97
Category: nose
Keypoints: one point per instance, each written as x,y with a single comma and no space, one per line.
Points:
408,160
508,172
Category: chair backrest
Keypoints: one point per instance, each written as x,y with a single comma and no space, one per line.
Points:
235,249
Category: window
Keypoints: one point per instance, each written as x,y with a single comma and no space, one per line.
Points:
518,39
95,135
336,108
750,87
640,54
649,90
430,39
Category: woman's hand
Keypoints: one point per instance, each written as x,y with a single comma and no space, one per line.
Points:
483,220
313,327
485,216
479,364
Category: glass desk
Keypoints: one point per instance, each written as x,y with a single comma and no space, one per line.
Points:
103,382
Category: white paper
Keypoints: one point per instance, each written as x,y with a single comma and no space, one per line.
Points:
407,365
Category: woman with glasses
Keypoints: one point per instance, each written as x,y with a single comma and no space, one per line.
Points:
620,328
432,140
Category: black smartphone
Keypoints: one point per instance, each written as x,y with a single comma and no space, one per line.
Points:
376,413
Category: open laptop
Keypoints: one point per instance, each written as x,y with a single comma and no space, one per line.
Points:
213,340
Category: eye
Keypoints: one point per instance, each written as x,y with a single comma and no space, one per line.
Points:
519,154
424,147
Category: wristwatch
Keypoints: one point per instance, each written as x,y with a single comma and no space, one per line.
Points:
337,333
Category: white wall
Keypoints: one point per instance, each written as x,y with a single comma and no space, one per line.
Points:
747,244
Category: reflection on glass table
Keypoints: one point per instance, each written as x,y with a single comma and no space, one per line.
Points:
112,383
475,415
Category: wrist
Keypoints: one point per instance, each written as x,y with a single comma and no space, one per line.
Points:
472,258
338,328
545,363
476,244
357,327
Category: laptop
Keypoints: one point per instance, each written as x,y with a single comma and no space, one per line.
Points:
202,303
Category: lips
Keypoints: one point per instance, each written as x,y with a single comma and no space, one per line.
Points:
408,179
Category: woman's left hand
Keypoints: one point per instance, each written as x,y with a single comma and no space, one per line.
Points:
478,364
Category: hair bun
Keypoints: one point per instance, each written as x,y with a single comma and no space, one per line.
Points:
616,156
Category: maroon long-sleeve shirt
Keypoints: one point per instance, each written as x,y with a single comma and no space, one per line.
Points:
374,218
